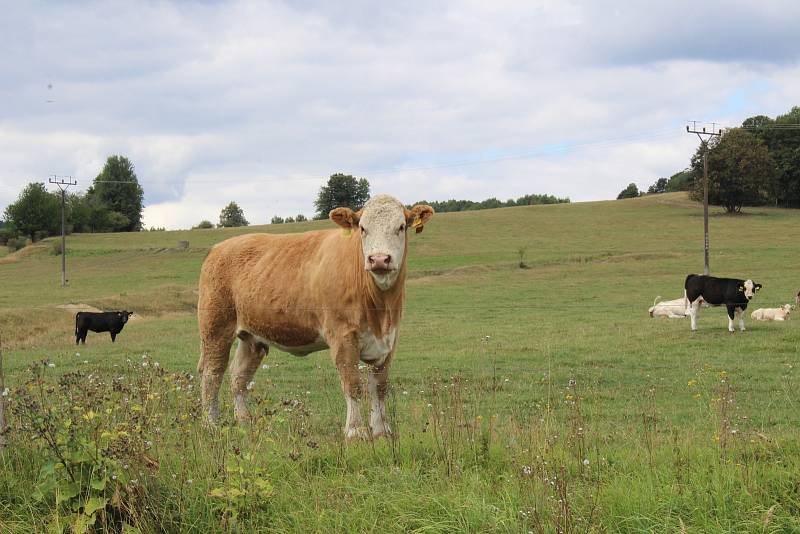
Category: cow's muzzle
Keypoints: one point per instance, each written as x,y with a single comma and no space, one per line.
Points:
379,263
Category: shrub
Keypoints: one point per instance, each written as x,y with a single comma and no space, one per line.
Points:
55,248
301,218
38,235
277,220
203,225
16,243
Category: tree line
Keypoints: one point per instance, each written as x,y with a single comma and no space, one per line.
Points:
757,164
113,203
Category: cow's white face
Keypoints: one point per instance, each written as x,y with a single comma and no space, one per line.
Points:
382,224
750,289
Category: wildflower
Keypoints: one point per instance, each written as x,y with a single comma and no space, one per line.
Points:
572,383
145,364
506,380
265,366
51,364
4,393
586,462
405,392
85,361
527,470
189,481
156,364
250,385
430,405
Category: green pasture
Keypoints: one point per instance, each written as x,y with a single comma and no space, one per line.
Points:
535,399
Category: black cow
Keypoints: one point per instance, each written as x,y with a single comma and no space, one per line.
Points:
732,293
99,322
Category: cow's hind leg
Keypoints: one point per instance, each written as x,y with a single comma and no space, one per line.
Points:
740,313
213,362
694,308
245,363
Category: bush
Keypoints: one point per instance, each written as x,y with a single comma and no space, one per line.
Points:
38,235
5,235
55,248
301,218
204,225
277,220
16,243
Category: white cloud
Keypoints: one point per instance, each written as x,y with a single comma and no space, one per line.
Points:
259,102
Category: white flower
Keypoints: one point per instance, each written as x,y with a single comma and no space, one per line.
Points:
265,366
156,364
430,405
527,470
250,385
145,364
85,361
77,354
51,364
586,461
4,393
405,392
189,481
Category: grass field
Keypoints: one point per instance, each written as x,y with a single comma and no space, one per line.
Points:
542,399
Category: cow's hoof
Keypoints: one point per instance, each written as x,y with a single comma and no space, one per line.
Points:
356,434
384,432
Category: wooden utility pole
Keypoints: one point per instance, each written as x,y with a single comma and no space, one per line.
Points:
3,393
713,131
63,185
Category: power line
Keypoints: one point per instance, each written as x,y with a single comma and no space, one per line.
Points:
535,152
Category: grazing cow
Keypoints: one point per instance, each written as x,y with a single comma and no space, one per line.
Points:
674,309
112,322
305,292
773,314
732,293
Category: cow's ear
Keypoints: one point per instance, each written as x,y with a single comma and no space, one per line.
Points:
417,216
758,286
345,217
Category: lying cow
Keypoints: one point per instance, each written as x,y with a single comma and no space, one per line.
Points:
773,314
306,292
674,309
732,293
112,322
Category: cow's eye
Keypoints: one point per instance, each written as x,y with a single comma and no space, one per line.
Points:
363,230
402,227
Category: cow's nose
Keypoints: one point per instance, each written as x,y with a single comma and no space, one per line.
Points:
379,261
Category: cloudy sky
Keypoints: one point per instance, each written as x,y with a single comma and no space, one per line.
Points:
259,102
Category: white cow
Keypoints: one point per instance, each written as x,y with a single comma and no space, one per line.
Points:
674,309
773,314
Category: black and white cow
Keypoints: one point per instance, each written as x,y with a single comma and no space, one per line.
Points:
732,293
99,322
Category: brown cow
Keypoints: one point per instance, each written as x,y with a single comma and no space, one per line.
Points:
306,292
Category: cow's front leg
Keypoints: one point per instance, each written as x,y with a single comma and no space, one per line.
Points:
731,314
346,356
740,313
113,336
378,387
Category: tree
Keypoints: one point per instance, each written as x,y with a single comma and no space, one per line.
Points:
232,215
784,146
35,210
277,220
681,181
341,191
659,187
301,218
741,171
117,187
629,192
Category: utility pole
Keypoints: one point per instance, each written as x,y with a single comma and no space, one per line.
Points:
63,185
708,132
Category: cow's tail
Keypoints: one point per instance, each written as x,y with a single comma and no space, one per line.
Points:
76,322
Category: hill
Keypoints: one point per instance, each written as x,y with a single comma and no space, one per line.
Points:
512,388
